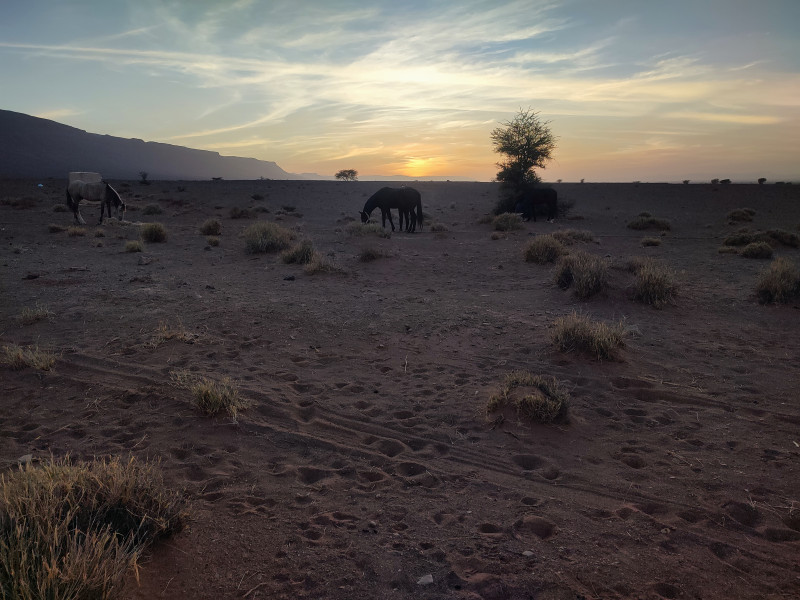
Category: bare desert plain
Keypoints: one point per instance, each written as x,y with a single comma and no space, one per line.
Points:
366,465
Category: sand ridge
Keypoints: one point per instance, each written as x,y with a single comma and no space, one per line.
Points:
366,461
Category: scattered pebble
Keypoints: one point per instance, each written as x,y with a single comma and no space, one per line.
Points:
425,580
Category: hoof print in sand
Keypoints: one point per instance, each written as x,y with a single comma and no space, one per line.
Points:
416,474
312,475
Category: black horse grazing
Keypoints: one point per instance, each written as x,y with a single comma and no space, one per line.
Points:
406,200
533,196
78,190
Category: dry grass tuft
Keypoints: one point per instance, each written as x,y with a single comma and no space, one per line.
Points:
211,227
241,213
211,396
134,246
650,241
780,282
154,233
587,273
570,236
757,250
71,530
741,215
18,358
543,249
76,231
165,333
507,222
212,241
321,264
534,397
578,333
655,282
300,254
55,228
265,237
649,222
356,229
33,315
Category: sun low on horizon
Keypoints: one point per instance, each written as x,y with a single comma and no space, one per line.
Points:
632,91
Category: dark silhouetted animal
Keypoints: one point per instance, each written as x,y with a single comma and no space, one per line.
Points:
406,200
531,197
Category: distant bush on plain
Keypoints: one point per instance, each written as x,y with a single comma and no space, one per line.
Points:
571,236
543,249
741,215
211,227
356,229
300,254
154,233
757,250
655,282
779,283
507,222
586,273
578,333
134,246
152,209
265,237
649,222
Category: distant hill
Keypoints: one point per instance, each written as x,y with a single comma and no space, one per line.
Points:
34,147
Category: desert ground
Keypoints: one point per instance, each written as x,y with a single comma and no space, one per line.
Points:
366,465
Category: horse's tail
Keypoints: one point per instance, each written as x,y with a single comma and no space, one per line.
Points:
419,213
69,201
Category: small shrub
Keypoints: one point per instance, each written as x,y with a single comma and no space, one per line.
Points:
211,227
212,241
641,223
59,208
73,529
780,282
485,219
570,236
438,228
76,231
30,316
655,283
165,333
543,249
356,229
152,209
300,254
586,272
257,197
651,241
98,233
534,397
507,222
739,239
153,233
496,235
55,228
727,250
265,237
17,358
578,333
134,246
741,215
320,264
211,396
757,250
784,237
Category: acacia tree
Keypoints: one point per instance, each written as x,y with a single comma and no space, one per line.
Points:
526,143
347,175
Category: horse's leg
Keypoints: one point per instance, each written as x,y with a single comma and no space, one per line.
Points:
391,221
76,211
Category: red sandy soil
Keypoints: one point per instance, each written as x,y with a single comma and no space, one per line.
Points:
367,460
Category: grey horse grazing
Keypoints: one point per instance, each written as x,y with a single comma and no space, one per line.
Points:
406,200
78,190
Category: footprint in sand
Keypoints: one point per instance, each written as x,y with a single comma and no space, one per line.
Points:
533,525
312,475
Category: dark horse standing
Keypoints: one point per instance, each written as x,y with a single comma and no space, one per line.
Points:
530,197
405,199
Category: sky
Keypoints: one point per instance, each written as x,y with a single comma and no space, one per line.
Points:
633,90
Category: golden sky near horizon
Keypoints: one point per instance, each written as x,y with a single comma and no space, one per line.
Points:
633,90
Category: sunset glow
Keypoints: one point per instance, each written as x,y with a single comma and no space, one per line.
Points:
646,93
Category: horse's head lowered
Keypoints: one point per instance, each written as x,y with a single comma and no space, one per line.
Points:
114,198
364,216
